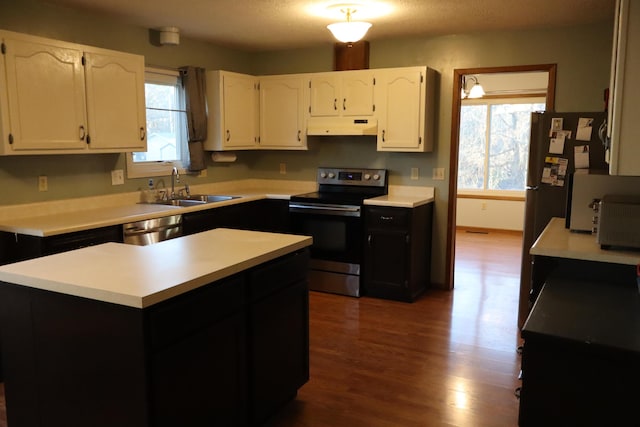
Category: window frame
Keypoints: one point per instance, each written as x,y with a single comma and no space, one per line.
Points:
488,101
158,168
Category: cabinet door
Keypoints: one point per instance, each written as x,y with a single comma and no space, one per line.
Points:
623,105
279,339
232,100
324,94
115,102
282,113
46,95
357,93
386,263
399,125
240,117
200,380
348,93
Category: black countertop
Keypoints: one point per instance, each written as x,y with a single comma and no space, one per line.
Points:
597,313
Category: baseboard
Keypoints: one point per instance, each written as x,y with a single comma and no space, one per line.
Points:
482,230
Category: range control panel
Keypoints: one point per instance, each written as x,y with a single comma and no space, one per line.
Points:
355,177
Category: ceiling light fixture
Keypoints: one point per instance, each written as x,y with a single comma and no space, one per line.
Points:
476,90
349,31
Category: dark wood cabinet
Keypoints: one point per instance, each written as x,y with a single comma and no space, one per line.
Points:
278,327
258,215
229,353
20,247
397,251
581,355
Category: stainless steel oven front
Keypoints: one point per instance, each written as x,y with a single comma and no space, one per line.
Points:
337,247
332,216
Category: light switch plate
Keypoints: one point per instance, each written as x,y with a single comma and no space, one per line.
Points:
415,173
43,183
117,177
438,174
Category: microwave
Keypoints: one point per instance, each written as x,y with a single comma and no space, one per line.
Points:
619,221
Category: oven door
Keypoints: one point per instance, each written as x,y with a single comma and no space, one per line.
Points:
336,230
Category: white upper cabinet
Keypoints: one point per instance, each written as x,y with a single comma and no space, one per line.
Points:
341,93
282,113
66,98
623,129
405,109
115,101
45,96
233,111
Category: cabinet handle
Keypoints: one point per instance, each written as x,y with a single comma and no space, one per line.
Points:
369,239
142,133
299,139
82,133
383,132
386,218
344,103
335,103
228,135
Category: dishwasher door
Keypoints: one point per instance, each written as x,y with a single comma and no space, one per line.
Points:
152,231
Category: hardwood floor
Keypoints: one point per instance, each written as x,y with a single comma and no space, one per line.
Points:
448,359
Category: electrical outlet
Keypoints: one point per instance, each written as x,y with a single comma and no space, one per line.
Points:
117,177
483,206
415,173
438,174
43,183
283,168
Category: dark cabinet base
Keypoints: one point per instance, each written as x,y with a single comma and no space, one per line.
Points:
229,353
397,252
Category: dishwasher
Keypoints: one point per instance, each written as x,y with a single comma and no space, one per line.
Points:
152,231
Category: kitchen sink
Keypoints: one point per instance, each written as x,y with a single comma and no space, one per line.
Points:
207,198
195,200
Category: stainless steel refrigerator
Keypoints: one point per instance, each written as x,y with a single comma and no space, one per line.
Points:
548,177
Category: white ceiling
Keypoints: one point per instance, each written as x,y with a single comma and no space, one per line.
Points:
282,24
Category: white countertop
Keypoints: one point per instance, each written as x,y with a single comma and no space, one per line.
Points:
140,276
404,197
67,216
558,241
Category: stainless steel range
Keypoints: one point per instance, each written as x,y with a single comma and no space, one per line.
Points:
333,217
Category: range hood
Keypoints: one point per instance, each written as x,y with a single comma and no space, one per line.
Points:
342,126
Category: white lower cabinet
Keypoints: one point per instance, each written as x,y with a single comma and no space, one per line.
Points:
66,98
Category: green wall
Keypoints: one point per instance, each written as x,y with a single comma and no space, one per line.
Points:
582,54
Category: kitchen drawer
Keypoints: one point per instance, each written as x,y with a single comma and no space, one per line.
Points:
278,274
387,217
187,314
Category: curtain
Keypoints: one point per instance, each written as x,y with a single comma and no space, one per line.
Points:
193,81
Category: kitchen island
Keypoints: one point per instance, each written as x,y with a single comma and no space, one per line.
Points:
208,329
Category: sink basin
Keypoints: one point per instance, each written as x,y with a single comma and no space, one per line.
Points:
181,202
195,200
208,198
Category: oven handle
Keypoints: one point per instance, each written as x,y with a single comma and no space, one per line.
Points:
325,209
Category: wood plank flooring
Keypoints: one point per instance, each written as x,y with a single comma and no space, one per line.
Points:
448,359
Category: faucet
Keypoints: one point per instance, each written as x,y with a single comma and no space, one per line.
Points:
174,173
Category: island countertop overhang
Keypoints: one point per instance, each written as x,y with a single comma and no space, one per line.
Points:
140,276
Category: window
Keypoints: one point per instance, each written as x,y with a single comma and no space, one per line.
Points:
494,144
166,126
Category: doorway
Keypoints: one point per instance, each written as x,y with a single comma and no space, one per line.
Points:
458,81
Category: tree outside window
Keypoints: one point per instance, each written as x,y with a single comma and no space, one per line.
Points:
494,143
